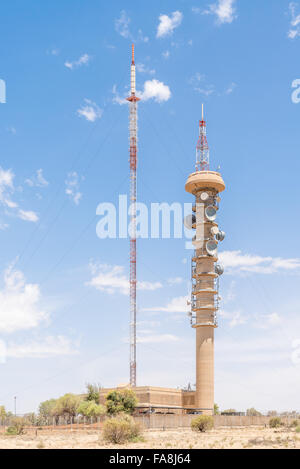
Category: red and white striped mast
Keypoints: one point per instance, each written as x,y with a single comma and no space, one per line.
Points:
202,149
133,100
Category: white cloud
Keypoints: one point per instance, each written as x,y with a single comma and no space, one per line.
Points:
122,25
166,54
83,60
294,30
273,319
11,129
6,190
90,111
235,318
53,51
19,303
112,279
175,281
167,24
117,99
176,305
141,68
141,37
154,89
224,10
196,10
198,83
231,88
6,184
49,347
28,215
236,261
157,338
72,187
37,180
207,91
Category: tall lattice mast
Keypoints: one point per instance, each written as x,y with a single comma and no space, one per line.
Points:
133,100
202,150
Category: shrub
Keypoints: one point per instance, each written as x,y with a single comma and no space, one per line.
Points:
297,429
121,429
202,423
17,426
275,422
294,423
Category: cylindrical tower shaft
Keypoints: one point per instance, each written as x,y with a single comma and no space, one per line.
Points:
205,369
133,100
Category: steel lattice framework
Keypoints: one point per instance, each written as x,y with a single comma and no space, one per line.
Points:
202,150
133,100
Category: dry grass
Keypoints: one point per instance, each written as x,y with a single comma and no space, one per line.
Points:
221,438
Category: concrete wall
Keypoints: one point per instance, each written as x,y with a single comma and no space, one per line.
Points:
184,421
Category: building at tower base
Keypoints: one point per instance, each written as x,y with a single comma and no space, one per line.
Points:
159,400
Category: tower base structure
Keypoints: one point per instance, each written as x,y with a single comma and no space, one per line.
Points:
159,400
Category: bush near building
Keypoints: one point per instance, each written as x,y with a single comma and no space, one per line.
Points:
203,423
275,422
121,429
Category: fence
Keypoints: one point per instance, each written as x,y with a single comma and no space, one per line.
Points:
148,422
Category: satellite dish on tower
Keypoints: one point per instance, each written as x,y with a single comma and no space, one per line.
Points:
211,213
189,221
211,247
220,236
204,196
214,230
219,269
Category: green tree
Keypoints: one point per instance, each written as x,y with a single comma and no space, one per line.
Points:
253,412
46,410
124,400
3,413
31,418
216,409
67,406
90,409
229,411
93,393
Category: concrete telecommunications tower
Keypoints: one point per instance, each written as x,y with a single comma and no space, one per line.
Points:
133,100
206,186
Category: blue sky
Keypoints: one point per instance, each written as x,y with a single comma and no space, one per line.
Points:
64,305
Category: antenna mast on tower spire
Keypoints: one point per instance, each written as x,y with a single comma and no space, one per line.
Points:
133,100
202,150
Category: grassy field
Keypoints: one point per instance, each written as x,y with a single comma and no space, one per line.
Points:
221,438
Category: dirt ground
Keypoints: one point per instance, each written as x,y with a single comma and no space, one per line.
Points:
221,438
